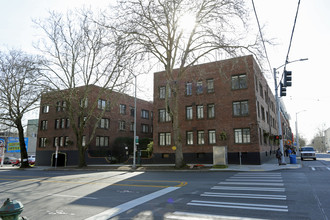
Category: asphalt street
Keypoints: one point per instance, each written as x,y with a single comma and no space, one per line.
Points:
301,193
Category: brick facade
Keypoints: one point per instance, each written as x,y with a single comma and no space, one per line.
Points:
51,114
238,84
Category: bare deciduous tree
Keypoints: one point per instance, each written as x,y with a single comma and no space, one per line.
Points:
158,31
81,53
20,89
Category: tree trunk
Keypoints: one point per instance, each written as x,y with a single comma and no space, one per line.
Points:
24,156
179,162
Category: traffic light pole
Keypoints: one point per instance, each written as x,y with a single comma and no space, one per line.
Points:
278,107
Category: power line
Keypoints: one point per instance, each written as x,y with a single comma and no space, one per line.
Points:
263,42
294,25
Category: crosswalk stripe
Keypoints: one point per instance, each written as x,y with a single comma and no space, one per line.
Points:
251,183
246,196
255,177
202,216
277,208
265,189
256,180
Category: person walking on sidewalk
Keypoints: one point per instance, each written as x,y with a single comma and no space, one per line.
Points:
279,156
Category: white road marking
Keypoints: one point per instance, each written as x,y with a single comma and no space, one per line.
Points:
255,177
313,168
252,183
200,216
328,168
245,196
249,188
131,204
276,208
256,180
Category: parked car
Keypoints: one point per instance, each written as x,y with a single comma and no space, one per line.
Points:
8,160
328,152
307,152
32,159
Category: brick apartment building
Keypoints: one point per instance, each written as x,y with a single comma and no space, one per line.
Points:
224,103
118,121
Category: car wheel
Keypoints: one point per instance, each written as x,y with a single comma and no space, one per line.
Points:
314,158
302,158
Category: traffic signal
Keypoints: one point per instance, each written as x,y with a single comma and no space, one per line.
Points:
287,78
282,90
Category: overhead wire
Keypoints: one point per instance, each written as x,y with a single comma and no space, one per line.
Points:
294,25
262,39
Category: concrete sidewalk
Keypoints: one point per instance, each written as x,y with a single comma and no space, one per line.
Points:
268,166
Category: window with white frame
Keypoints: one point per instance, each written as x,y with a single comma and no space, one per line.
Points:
164,138
102,141
199,87
242,135
189,113
103,104
42,142
164,116
144,114
84,103
122,109
104,123
200,111
162,92
58,106
67,123
238,82
131,126
210,85
189,88
66,141
210,111
145,128
57,123
200,137
44,125
190,137
240,108
212,137
122,125
55,141
62,123
61,141
45,109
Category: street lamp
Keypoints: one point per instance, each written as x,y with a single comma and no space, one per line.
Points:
134,146
297,134
278,106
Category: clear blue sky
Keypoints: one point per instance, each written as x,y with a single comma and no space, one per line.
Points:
310,90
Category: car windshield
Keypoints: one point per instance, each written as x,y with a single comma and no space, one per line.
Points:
307,149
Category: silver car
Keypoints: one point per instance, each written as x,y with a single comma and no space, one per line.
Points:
307,152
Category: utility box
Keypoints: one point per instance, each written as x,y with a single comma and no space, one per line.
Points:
220,155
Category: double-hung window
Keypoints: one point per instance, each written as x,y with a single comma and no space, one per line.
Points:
210,111
242,135
189,113
200,137
189,88
210,85
238,82
212,139
240,108
190,138
200,111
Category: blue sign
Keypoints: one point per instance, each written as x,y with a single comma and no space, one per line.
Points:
13,144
